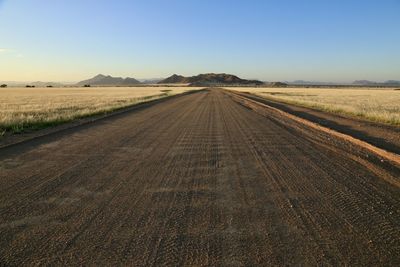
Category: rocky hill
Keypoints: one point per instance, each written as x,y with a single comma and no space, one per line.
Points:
103,80
209,79
175,79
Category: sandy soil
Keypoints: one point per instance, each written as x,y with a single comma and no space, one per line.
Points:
196,180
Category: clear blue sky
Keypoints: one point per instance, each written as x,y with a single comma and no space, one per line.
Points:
69,40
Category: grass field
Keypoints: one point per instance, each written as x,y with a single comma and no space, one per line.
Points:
35,108
379,105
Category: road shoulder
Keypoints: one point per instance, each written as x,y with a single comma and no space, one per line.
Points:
15,139
383,136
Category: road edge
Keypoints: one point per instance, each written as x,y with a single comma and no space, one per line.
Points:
392,157
16,139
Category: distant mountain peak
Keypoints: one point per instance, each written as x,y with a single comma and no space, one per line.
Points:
393,82
108,80
386,83
208,79
364,82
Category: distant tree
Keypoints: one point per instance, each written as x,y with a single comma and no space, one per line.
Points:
3,85
30,86
86,85
49,86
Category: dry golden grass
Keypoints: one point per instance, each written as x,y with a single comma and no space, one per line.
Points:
380,105
34,108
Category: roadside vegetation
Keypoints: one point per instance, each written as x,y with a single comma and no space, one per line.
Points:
378,105
23,109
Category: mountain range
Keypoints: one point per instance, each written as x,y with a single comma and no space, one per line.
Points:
366,83
209,79
302,82
150,80
103,80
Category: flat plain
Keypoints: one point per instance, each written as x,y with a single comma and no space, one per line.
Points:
26,108
374,104
197,180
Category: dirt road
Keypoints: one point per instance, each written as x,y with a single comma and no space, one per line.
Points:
196,180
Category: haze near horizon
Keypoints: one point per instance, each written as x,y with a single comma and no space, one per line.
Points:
68,41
